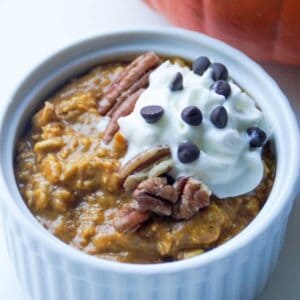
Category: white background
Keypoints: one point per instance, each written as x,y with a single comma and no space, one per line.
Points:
32,29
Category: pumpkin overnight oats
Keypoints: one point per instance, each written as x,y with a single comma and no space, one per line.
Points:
148,161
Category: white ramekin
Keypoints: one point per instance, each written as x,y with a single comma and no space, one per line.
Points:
50,270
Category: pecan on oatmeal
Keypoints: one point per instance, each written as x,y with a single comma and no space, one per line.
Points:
194,195
138,85
123,109
143,159
179,201
132,74
129,219
158,168
120,99
156,195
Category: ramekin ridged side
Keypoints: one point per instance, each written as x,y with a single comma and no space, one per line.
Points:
238,270
239,276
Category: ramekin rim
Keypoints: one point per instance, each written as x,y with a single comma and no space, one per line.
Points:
217,253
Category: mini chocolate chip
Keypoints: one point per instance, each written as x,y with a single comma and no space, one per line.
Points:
187,152
219,117
177,82
222,87
200,65
219,71
170,179
152,113
257,137
192,115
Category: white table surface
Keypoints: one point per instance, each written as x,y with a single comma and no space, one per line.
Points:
32,29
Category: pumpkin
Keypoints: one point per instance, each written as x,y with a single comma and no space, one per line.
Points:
266,30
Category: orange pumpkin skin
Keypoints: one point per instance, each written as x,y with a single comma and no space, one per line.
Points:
266,30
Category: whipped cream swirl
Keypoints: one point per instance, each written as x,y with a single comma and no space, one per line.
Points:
226,162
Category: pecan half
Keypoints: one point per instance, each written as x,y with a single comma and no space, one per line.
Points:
152,203
194,196
132,181
157,169
142,160
154,194
140,84
157,187
125,108
129,219
130,75
180,201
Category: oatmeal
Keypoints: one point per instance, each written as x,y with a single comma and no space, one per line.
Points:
82,177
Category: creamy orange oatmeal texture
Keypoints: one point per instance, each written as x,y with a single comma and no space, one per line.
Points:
70,172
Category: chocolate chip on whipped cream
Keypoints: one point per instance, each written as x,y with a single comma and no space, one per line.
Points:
219,71
222,87
219,117
257,137
222,159
200,65
192,115
152,113
187,152
176,83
